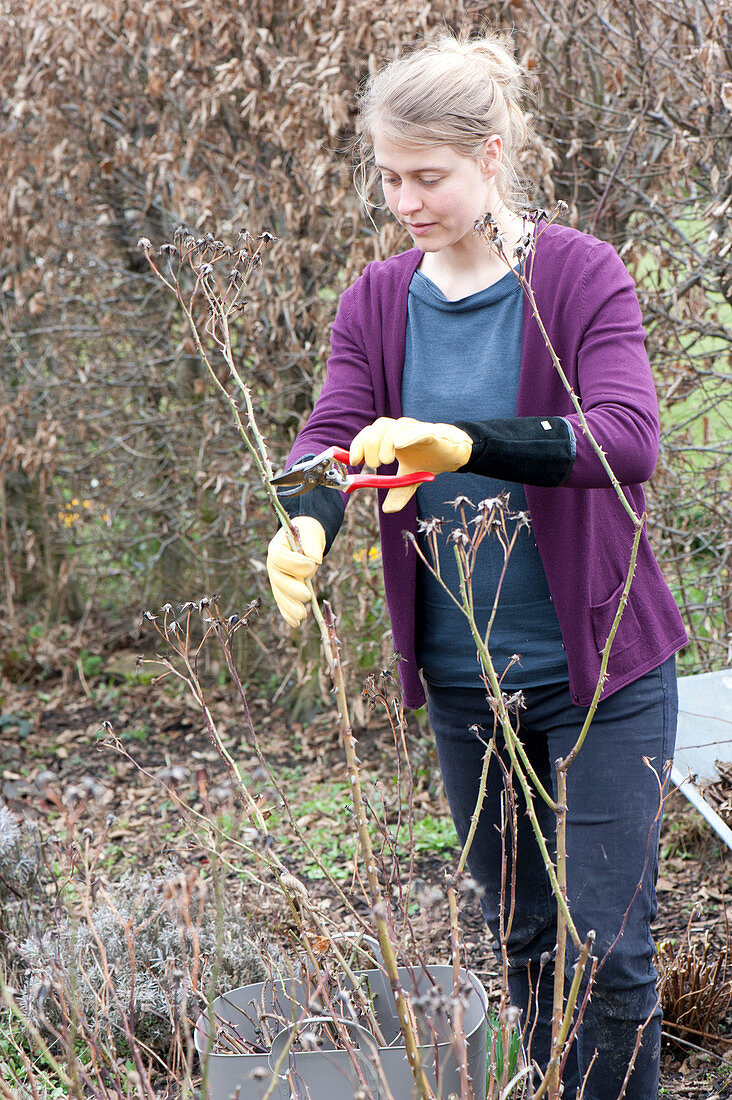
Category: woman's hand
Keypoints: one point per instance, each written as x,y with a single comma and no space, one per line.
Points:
415,445
289,570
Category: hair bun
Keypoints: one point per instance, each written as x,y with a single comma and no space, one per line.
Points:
456,91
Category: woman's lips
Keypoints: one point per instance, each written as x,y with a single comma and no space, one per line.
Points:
420,230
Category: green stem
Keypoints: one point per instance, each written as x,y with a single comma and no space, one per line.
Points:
511,742
607,647
550,1076
561,953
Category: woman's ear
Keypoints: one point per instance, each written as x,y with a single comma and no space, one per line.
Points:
491,155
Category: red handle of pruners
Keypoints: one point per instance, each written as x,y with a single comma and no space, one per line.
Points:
387,481
379,481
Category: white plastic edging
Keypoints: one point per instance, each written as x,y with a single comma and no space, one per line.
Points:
687,788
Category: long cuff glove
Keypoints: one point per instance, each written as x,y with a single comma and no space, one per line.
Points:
415,445
533,450
289,570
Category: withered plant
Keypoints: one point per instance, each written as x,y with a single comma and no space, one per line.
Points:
100,981
696,988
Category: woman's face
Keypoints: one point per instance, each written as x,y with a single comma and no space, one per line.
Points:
436,193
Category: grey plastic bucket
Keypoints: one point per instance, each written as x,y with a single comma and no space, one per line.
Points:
432,1024
247,1076
327,1073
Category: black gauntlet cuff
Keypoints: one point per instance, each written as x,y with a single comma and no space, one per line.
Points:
533,450
324,504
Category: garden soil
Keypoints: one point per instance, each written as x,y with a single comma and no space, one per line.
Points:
106,748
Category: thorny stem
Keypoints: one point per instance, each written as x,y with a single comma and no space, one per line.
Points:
607,647
511,741
549,1083
254,442
466,1089
251,436
406,1018
561,952
487,229
509,828
461,1049
484,229
635,518
475,816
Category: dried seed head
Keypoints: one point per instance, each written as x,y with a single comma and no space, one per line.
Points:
460,537
172,774
293,886
310,1041
430,526
460,501
511,1015
472,888
429,896
144,244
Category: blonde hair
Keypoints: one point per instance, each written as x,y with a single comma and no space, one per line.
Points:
455,91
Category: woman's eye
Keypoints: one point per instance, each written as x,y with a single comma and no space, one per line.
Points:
429,183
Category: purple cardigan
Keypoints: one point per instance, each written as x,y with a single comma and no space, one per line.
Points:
587,302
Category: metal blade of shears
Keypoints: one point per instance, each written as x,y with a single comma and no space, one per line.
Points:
314,470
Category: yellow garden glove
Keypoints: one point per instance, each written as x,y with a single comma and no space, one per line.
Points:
438,448
289,569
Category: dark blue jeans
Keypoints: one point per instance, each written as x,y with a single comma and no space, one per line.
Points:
613,822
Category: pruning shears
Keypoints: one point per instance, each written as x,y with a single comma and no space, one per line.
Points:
329,468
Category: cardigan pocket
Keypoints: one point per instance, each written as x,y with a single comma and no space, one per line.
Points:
602,616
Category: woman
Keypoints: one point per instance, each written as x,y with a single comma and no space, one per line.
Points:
438,363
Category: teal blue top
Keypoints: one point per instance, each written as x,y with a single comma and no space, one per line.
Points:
462,361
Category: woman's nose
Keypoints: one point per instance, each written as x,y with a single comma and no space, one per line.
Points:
409,199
